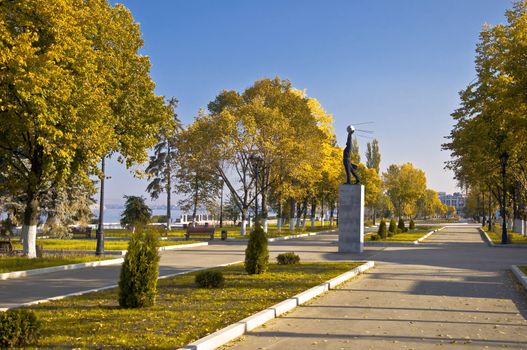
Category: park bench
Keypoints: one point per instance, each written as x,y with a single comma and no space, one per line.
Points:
200,230
85,231
6,247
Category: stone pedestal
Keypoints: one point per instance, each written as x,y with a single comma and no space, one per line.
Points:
351,218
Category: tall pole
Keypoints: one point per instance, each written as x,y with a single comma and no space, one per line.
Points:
100,231
504,158
221,204
256,192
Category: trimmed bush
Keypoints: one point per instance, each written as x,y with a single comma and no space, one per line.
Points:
210,279
256,254
18,327
375,237
139,272
400,225
393,227
411,225
289,258
382,232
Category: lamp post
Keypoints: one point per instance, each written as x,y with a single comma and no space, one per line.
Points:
221,203
100,230
503,158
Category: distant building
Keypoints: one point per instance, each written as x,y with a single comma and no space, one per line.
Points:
456,200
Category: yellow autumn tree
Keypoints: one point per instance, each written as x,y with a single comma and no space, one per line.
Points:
73,88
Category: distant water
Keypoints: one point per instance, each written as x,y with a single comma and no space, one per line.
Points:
113,215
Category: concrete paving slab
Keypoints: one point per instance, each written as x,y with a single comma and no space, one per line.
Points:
451,292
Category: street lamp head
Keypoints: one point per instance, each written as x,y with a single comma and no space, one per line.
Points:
350,128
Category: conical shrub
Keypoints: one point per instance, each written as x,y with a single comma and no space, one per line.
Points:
257,254
139,272
393,226
400,225
382,232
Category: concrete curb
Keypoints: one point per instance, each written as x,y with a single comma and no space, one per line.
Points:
400,244
522,278
489,242
486,237
33,272
388,244
427,235
233,331
283,238
59,297
183,246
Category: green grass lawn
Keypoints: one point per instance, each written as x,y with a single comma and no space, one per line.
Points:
17,263
232,231
409,236
124,233
183,313
523,269
89,244
496,238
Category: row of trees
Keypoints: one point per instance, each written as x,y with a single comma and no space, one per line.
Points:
273,144
488,143
75,90
269,143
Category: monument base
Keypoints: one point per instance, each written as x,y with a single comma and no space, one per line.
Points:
351,219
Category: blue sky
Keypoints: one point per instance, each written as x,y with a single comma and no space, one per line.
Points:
399,63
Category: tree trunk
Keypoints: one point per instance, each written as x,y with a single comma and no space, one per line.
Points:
195,204
243,227
298,214
169,200
29,227
292,215
279,217
322,213
490,210
169,184
373,216
304,213
313,211
265,213
332,211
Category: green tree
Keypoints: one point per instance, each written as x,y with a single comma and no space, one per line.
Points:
136,213
139,272
490,121
382,232
404,185
257,253
162,166
199,183
74,88
271,121
373,155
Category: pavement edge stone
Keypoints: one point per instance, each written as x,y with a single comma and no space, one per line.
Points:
522,278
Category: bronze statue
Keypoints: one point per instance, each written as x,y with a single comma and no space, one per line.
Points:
348,165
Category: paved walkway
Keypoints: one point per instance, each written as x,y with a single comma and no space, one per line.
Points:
452,292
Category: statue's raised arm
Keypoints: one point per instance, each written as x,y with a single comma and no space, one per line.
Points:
348,166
